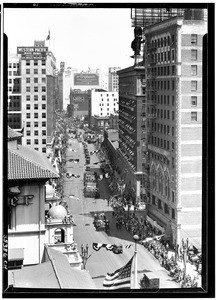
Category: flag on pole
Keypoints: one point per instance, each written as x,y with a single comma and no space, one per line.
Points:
120,279
48,37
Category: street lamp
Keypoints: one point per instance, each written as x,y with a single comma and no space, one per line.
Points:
84,254
136,239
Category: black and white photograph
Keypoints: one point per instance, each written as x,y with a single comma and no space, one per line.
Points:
108,144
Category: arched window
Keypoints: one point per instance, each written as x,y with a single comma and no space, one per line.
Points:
59,236
167,185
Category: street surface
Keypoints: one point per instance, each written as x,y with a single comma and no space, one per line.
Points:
83,209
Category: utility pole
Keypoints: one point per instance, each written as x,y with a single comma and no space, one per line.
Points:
136,238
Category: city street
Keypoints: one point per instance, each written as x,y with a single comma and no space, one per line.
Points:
83,209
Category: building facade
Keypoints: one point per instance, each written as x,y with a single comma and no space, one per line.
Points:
113,79
80,102
132,141
104,103
173,55
28,92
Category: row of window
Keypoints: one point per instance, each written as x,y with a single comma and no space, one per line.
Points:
36,141
108,96
165,129
43,62
36,89
36,97
115,99
169,70
162,143
165,85
28,115
36,132
28,124
101,104
28,106
166,56
163,42
15,73
166,208
14,65
28,80
43,71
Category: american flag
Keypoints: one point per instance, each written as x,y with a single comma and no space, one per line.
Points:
120,279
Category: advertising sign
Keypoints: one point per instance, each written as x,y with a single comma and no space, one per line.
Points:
86,79
32,52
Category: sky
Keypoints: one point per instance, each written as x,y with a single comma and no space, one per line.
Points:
81,37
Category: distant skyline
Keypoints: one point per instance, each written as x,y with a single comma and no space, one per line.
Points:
81,37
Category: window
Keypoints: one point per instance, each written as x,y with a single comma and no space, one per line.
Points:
43,141
35,71
35,62
35,124
173,213
43,62
193,70
35,106
43,106
36,115
27,80
28,89
173,100
165,85
193,54
28,124
28,115
36,141
173,70
193,100
28,142
173,162
43,80
193,39
167,145
27,97
36,80
168,97
153,199
27,62
36,132
173,146
164,114
173,130
35,89
28,132
159,204
173,54
43,89
35,97
193,116
43,71
43,97
168,129
36,149
43,124
193,85
43,132
173,84
43,115
28,106
166,209
173,196
44,150
173,115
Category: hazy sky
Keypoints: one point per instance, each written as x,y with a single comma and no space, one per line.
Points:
82,37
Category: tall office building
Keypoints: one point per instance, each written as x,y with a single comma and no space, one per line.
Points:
131,139
113,79
27,89
173,60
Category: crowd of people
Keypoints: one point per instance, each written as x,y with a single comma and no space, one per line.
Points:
158,248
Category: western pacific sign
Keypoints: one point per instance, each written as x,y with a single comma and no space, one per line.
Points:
32,52
86,79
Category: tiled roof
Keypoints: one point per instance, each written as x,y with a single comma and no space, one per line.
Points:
27,163
12,134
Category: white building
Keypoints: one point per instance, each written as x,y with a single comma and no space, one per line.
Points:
104,103
113,79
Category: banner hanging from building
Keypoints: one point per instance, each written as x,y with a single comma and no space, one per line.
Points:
86,79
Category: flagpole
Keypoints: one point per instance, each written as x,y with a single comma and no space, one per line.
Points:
136,238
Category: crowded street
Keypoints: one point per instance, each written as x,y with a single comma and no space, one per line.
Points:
83,209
